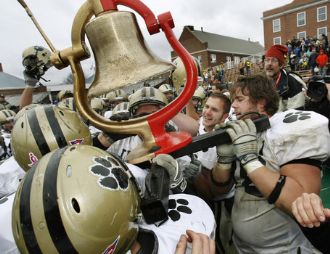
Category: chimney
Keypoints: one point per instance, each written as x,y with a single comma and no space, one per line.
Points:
191,28
202,29
1,70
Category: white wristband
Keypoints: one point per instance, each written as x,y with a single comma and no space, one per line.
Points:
252,166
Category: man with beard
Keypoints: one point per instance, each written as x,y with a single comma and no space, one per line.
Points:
288,85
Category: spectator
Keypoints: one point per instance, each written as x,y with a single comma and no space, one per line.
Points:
288,85
322,62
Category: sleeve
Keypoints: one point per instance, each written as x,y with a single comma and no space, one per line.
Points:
296,135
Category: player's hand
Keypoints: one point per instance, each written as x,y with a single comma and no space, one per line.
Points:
243,134
225,152
175,172
309,211
30,80
201,244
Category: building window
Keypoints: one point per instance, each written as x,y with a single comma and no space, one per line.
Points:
320,31
301,35
276,25
277,40
321,13
301,18
213,58
236,59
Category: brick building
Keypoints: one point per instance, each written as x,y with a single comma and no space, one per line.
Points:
300,18
213,49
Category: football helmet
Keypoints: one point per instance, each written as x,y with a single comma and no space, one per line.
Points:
67,103
117,95
78,199
178,76
44,128
121,112
64,94
6,115
146,95
199,93
165,88
36,60
97,104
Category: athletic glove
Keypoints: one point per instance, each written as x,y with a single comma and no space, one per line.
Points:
225,152
243,134
30,80
177,182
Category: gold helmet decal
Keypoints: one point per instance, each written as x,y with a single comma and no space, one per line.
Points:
53,212
43,129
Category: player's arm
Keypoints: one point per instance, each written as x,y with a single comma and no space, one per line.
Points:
280,188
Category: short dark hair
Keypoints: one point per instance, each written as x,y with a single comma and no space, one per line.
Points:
258,87
226,101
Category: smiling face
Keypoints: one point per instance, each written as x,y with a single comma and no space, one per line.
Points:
213,113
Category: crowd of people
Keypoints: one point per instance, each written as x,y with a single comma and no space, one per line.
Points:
68,187
309,54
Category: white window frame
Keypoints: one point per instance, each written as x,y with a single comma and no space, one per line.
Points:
302,32
213,58
319,33
304,19
279,25
325,13
277,38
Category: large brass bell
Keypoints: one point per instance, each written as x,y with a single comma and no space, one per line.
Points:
121,55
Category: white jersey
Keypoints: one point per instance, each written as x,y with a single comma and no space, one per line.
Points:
124,146
208,158
10,176
7,242
185,212
260,227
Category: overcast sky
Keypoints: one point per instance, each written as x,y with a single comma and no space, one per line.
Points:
235,18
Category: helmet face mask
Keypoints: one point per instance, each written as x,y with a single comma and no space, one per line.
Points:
52,203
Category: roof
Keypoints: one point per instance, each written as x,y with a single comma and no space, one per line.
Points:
15,99
228,44
8,81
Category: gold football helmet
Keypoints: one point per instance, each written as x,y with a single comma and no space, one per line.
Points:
63,94
117,95
43,129
78,199
165,88
36,60
146,95
178,76
67,103
6,115
199,93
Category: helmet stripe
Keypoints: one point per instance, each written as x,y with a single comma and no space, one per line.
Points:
52,213
6,113
25,214
55,126
37,132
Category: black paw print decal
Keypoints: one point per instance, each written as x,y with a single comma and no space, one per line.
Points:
292,117
112,175
176,207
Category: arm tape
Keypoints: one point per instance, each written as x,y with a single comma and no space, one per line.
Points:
277,190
